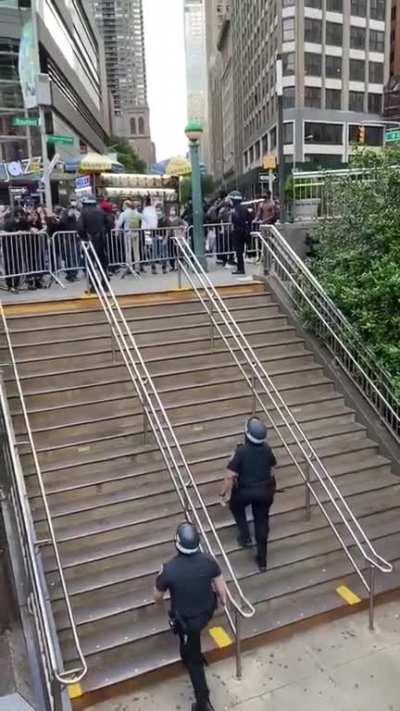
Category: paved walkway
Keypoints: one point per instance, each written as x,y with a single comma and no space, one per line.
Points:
338,666
128,285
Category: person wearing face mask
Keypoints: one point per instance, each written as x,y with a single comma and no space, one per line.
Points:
70,250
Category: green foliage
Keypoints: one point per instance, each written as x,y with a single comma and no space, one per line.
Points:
126,155
358,260
207,185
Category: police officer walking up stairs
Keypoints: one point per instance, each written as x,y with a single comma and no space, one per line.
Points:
249,481
196,585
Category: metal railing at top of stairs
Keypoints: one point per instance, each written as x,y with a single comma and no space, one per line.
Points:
336,332
156,417
256,376
63,677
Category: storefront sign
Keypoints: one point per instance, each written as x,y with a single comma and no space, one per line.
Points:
15,169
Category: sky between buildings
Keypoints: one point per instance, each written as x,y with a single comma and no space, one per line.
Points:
166,80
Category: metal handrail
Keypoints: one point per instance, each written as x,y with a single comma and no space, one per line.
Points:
35,592
153,409
378,379
258,375
72,676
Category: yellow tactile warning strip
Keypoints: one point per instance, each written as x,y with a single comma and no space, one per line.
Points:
348,595
220,637
33,308
75,691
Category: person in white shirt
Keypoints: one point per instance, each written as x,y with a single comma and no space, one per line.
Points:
130,221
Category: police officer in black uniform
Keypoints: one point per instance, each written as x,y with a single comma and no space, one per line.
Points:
196,585
249,481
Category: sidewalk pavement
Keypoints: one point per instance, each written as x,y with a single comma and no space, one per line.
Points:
129,284
336,666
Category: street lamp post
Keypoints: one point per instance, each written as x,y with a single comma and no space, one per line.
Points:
194,131
281,151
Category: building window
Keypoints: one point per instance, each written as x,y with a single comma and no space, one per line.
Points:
374,103
333,99
333,67
328,133
312,64
334,34
312,30
272,138
288,133
394,13
289,3
312,96
133,127
251,155
265,143
288,64
373,135
289,97
357,37
141,125
257,151
357,70
313,3
376,72
359,8
288,29
356,101
378,9
334,5
376,41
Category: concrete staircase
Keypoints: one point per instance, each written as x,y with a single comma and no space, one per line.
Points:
114,508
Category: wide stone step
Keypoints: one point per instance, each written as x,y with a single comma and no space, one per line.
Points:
196,351
151,336
128,583
93,313
214,435
137,324
192,422
124,628
137,509
183,375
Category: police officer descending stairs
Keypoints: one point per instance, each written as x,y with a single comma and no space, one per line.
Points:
196,585
249,481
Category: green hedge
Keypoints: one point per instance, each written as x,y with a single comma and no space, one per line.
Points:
358,258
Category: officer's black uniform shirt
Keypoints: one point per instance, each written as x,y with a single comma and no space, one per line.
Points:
252,463
189,581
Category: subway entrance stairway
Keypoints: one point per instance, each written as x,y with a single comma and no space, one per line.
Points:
112,502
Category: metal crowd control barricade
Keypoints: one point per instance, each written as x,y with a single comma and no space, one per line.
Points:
157,421
134,250
66,254
58,676
25,255
265,397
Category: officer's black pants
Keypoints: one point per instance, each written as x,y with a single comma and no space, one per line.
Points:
190,649
99,243
239,245
260,502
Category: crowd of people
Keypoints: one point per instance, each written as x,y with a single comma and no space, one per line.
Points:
129,236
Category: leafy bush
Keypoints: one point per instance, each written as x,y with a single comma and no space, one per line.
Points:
358,259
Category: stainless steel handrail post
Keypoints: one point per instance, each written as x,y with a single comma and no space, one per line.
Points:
238,645
308,492
372,580
210,314
254,394
179,272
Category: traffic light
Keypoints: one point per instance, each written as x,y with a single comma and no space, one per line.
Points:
361,135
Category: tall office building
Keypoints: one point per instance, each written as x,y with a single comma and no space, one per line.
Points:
395,39
120,23
214,83
335,61
196,69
